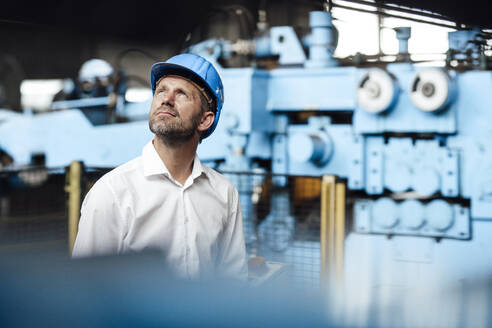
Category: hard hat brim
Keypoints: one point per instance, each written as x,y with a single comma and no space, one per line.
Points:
161,69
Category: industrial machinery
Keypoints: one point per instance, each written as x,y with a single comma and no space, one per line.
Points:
411,142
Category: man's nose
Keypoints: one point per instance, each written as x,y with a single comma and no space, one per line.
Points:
167,99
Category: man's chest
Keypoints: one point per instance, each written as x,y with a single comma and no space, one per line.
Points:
173,221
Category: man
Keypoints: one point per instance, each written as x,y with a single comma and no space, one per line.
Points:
166,199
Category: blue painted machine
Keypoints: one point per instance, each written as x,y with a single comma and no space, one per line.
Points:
413,144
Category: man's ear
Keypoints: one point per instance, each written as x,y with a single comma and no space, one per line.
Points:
206,121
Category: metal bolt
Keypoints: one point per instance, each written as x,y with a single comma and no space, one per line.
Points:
428,89
373,89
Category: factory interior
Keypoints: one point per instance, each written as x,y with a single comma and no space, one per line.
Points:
356,133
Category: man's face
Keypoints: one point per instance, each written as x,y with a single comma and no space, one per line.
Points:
175,113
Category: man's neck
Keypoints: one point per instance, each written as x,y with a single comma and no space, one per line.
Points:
178,158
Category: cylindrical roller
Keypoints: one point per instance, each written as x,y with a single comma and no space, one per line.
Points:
440,215
313,147
431,90
385,213
397,176
426,181
412,214
377,91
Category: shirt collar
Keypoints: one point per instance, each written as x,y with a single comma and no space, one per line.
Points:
153,165
197,168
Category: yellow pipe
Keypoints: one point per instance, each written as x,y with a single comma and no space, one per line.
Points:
333,200
340,230
327,226
74,199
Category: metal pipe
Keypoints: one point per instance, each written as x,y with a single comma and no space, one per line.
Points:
333,200
81,103
380,25
74,190
339,230
327,231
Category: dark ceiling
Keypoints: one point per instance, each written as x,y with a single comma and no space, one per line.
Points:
146,19
140,19
50,39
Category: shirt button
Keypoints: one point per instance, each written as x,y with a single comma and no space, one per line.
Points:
186,219
187,251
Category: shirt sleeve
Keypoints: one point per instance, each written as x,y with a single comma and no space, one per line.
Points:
100,227
233,259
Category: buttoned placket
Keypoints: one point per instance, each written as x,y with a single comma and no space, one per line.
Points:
186,237
186,220
182,190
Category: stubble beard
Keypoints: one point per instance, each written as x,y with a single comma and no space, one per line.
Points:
174,132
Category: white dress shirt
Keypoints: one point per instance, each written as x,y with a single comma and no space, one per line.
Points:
139,206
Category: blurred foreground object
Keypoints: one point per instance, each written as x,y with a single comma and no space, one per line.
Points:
137,291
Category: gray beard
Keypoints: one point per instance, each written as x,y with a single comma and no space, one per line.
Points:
175,133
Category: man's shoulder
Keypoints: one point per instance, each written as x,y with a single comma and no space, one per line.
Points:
217,177
219,182
123,173
113,185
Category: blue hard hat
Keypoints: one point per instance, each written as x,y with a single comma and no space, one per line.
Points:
196,69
